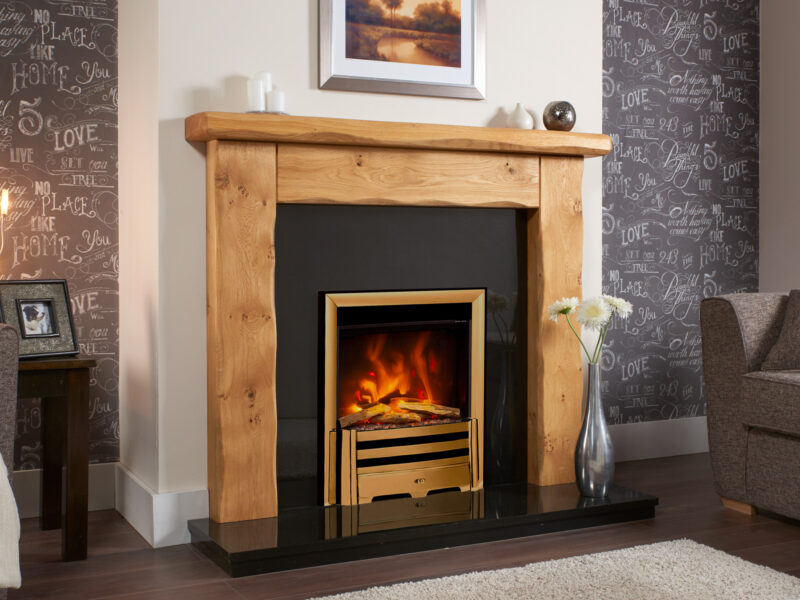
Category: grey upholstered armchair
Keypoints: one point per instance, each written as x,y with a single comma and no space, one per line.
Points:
753,415
9,348
9,356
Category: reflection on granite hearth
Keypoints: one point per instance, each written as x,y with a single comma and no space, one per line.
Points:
315,535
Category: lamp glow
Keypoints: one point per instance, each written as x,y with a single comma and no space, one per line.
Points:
3,213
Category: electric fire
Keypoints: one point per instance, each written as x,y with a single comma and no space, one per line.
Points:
403,397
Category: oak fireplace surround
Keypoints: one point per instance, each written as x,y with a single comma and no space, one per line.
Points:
255,162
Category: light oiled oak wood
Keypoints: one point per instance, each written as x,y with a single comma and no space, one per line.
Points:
747,509
555,378
256,161
206,126
387,176
242,420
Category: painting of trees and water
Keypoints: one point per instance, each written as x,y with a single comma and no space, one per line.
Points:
405,31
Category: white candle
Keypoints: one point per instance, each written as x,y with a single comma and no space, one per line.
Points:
255,95
4,203
276,101
267,79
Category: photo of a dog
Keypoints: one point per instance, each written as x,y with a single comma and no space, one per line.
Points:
37,318
40,310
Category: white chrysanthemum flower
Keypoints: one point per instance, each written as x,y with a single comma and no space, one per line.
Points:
562,307
622,307
594,313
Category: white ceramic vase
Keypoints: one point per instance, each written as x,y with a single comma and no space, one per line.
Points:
520,118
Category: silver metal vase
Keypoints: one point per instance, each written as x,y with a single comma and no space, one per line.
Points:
594,454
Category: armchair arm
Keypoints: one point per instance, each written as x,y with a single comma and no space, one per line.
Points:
758,318
9,519
738,331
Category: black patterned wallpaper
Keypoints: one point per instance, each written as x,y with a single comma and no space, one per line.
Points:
58,158
680,197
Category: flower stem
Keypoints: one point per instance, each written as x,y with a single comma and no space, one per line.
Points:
579,337
600,340
499,330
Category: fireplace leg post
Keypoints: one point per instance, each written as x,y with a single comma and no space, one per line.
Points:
555,378
242,421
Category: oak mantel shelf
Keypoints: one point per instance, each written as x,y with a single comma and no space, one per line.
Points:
206,126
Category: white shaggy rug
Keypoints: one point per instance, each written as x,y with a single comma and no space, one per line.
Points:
677,570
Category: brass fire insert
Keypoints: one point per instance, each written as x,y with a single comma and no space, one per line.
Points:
414,460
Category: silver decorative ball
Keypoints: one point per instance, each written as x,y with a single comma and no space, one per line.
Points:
559,115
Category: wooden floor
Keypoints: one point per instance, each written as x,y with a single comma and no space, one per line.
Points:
122,565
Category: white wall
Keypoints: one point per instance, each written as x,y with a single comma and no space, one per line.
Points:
138,237
203,67
536,52
779,211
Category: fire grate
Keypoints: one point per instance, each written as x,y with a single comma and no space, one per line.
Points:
410,460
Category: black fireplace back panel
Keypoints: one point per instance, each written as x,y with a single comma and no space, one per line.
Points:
358,248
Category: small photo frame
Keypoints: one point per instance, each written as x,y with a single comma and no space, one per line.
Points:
40,311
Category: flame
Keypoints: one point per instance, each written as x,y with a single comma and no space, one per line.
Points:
392,371
418,356
390,367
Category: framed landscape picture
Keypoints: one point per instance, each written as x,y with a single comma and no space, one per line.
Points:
421,47
40,311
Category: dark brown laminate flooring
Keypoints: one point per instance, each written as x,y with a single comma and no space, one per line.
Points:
122,565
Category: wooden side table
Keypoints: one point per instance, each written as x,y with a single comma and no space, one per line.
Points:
63,386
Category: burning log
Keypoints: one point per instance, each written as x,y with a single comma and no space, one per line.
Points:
423,408
397,419
387,399
363,415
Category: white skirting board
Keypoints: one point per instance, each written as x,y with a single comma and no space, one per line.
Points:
654,439
27,486
161,519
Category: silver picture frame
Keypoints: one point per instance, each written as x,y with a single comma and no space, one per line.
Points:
54,335
474,89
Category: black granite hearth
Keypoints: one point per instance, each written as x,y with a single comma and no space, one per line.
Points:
309,536
327,248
